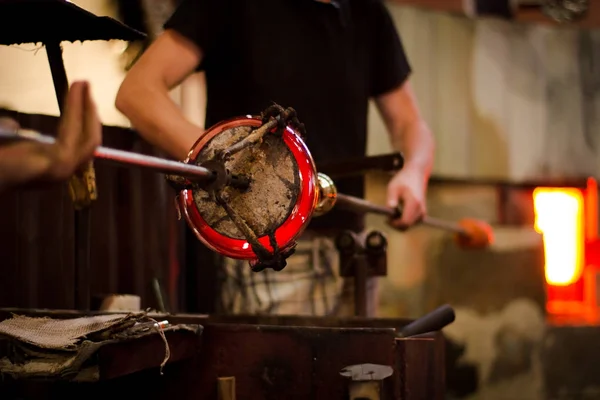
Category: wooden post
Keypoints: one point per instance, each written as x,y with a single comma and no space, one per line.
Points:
226,388
82,188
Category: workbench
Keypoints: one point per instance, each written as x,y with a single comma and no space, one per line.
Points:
259,357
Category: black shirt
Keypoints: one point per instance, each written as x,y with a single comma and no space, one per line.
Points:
323,59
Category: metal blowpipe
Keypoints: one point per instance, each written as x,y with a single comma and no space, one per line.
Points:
358,204
329,197
121,157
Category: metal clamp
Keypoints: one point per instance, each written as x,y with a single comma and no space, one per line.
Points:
362,258
366,380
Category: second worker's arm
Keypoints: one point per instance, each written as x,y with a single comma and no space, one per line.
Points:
144,94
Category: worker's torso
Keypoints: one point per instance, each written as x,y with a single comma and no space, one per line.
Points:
312,56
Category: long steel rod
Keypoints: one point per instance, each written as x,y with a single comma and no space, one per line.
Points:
360,205
197,172
121,157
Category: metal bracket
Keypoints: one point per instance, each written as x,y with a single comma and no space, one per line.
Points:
366,380
362,258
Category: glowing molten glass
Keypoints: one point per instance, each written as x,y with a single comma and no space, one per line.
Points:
559,216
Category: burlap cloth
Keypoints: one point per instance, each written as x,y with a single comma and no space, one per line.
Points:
63,348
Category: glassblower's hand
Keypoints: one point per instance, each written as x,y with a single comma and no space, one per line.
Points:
407,189
79,133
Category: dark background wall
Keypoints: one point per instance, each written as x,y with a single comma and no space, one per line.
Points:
136,237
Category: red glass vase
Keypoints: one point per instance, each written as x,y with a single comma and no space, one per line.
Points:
287,232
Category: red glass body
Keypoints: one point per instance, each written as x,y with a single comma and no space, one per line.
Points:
289,231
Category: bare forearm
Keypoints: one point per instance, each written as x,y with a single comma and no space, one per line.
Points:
417,144
158,119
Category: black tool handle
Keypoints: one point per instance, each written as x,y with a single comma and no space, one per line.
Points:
434,321
361,166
